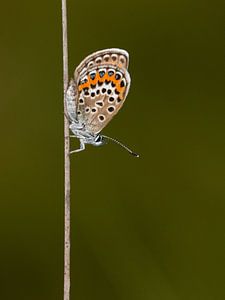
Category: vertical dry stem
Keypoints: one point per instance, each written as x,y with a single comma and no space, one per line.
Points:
66,161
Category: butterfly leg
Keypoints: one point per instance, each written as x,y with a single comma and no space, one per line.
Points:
82,147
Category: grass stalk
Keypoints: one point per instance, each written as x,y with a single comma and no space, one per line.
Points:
66,294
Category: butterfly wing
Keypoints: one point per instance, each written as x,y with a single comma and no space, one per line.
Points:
102,84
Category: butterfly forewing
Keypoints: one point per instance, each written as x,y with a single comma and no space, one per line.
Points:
102,82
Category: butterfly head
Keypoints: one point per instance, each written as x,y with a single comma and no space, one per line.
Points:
87,137
100,140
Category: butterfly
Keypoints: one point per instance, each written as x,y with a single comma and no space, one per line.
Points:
96,94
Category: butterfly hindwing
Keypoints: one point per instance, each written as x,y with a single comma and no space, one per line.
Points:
102,83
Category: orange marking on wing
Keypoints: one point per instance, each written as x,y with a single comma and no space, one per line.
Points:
113,79
97,77
95,81
84,85
121,95
106,77
119,88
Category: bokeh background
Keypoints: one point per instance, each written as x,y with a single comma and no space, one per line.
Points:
148,228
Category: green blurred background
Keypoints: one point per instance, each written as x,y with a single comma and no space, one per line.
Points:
148,228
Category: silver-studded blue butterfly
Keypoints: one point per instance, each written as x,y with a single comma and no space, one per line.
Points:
96,94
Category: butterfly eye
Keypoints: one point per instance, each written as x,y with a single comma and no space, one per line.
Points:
98,139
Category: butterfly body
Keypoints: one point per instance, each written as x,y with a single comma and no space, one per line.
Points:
77,126
97,92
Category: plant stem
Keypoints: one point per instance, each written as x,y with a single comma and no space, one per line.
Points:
66,295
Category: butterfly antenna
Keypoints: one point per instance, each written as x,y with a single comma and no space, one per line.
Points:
122,145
